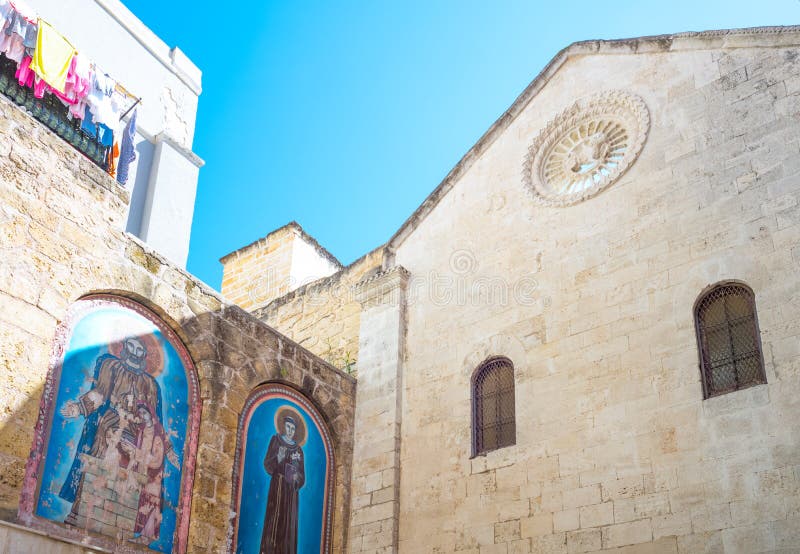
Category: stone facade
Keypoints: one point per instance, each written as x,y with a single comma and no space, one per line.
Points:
61,222
376,471
616,449
592,301
273,266
325,316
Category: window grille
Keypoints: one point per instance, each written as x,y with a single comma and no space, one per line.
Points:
493,417
728,340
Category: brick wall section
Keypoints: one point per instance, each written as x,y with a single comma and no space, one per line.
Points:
108,504
324,316
61,222
616,449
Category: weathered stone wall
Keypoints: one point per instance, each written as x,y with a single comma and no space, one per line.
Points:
375,514
615,446
61,222
324,316
259,272
16,538
284,260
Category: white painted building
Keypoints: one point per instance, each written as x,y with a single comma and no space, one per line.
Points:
163,179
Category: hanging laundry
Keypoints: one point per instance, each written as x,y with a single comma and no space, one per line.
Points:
30,37
12,46
79,82
76,88
53,56
48,63
102,101
19,25
27,78
113,155
20,32
25,74
127,153
5,12
83,86
103,133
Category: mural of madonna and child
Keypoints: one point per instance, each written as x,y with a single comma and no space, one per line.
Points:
285,461
121,409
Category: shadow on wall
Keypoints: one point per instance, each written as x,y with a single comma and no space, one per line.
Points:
120,411
16,438
138,187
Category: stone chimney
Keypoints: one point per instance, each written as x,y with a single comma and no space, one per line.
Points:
273,266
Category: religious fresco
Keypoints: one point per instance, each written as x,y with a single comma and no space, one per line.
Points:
283,475
116,440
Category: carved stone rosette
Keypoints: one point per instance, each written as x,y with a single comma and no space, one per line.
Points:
585,148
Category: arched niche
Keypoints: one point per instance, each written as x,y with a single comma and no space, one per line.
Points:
114,447
283,475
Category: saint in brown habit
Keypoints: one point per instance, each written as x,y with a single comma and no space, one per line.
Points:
284,462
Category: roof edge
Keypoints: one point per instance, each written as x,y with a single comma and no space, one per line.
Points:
319,284
690,40
296,228
321,250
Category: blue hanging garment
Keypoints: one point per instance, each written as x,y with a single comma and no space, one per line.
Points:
127,151
99,130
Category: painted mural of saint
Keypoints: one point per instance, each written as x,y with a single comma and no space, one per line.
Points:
123,426
151,448
285,464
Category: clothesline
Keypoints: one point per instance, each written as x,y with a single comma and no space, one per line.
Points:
47,62
32,18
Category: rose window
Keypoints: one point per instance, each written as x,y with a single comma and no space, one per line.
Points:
586,148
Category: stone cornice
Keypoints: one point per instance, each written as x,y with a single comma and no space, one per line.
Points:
383,287
293,227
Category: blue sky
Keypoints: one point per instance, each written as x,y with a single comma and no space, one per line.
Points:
345,115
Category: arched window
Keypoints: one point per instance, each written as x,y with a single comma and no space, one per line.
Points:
728,339
493,418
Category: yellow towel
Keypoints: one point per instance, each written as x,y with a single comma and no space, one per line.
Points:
52,56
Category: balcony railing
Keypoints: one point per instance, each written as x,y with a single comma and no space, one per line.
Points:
52,113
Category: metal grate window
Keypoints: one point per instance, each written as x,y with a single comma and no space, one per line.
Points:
493,418
728,339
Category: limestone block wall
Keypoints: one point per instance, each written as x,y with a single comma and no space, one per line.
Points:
376,466
325,316
61,237
259,272
284,260
616,450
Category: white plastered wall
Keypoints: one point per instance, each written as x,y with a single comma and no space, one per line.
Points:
169,85
308,264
